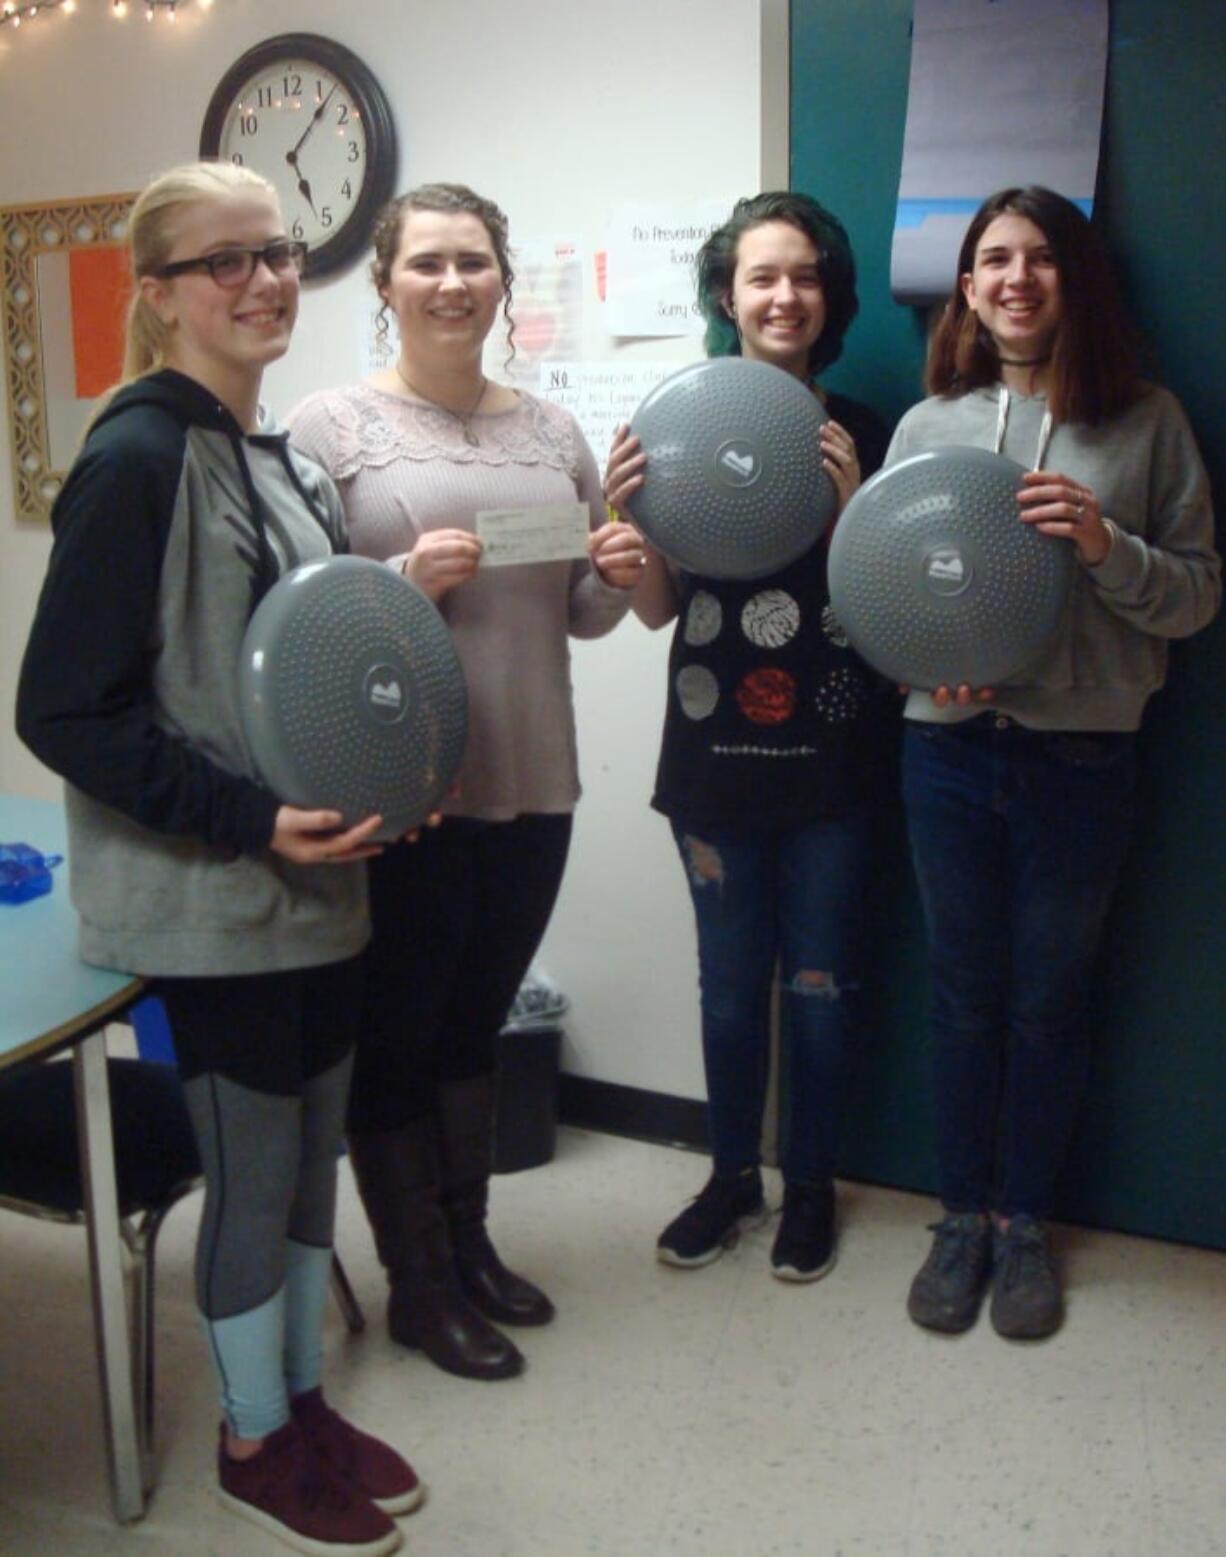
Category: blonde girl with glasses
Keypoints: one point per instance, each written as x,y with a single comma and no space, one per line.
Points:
182,510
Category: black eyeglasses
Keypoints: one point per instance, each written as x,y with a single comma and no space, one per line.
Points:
235,267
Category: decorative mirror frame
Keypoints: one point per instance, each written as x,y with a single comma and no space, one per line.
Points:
26,231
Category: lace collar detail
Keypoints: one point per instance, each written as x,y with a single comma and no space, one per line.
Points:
378,427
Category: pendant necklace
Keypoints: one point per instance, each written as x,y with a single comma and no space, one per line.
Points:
463,417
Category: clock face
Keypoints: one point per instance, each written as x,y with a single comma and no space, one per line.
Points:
308,115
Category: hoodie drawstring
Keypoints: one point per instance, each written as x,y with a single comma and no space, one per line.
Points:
1002,421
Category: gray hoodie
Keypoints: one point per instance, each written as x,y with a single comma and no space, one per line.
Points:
1160,580
171,526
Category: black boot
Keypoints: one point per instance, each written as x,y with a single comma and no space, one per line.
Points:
465,1114
397,1178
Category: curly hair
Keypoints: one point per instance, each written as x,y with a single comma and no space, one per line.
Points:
448,198
836,270
1094,369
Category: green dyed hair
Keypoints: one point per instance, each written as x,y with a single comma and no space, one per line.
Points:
836,270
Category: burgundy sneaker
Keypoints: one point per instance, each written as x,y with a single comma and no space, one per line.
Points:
288,1490
368,1464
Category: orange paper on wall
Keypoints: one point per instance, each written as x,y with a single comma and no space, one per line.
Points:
99,285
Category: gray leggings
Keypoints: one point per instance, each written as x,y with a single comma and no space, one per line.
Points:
265,1061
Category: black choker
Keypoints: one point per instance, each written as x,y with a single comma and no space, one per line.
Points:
1023,362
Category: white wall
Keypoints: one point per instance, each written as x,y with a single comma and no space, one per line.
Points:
560,109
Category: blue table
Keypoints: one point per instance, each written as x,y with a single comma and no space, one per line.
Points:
51,1001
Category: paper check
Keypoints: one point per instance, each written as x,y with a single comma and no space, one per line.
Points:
552,532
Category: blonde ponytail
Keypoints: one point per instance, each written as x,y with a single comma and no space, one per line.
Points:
152,229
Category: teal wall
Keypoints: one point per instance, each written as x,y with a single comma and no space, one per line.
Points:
1150,1154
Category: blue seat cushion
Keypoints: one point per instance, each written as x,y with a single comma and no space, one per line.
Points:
154,1146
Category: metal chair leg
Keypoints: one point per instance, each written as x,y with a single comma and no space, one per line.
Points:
346,1301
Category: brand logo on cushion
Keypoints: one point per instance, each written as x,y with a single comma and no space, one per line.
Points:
946,570
385,694
738,462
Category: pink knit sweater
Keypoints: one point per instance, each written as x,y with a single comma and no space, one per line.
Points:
403,468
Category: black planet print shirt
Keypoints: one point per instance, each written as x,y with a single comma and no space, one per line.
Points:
772,719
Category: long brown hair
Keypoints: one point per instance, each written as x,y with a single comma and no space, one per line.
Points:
1094,367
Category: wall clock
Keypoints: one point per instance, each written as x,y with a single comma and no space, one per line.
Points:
307,114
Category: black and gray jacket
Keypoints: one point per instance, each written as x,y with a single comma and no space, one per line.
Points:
170,528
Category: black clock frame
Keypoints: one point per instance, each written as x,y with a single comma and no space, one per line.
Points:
379,182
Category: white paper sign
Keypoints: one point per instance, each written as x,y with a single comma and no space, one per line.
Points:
550,532
650,286
601,395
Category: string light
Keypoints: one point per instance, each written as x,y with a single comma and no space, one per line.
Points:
14,12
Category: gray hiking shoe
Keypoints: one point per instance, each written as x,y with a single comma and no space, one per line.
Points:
949,1285
1027,1303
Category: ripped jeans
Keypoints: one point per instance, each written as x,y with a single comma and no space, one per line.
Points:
794,898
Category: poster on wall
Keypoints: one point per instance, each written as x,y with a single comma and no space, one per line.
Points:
547,311
66,286
1002,93
83,301
649,275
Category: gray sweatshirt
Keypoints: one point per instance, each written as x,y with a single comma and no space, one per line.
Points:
1160,580
171,526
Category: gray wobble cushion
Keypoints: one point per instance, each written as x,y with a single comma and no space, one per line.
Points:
936,579
351,694
734,486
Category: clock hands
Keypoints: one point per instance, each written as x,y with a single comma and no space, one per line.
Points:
292,156
304,188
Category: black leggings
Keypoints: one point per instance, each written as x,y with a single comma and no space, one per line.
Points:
457,918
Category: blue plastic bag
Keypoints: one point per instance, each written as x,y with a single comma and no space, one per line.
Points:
24,872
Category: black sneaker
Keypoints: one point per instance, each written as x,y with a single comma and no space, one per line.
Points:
712,1221
804,1245
949,1285
1026,1300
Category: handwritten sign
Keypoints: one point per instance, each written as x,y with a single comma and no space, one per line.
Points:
601,395
650,269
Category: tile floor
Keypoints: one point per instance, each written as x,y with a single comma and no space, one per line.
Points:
711,1413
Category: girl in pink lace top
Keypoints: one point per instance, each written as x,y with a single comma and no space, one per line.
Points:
417,451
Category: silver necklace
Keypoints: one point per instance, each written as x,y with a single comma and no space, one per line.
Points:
463,417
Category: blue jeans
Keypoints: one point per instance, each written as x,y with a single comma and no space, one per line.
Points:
792,897
1017,837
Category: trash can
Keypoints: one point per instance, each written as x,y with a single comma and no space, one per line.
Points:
526,1113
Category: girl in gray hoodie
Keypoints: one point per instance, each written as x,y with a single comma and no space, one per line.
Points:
1020,797
181,511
